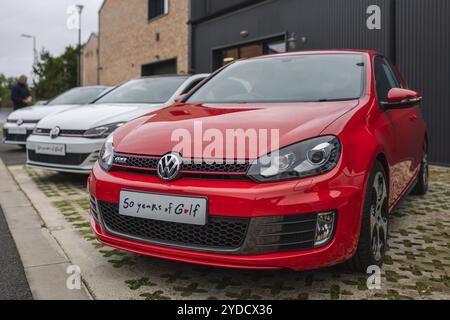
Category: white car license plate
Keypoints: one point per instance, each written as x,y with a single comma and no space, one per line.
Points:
188,210
17,130
51,149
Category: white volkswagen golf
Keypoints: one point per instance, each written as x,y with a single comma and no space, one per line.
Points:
70,141
21,123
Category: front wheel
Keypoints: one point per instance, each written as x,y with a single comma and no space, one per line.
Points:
374,227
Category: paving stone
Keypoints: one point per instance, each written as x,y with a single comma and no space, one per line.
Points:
417,263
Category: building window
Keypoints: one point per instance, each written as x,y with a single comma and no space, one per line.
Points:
271,46
157,8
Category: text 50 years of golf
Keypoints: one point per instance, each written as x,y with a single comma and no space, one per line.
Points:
226,310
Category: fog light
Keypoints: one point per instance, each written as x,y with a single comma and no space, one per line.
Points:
324,228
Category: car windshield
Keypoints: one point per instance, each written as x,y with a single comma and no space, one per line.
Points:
149,90
78,96
302,78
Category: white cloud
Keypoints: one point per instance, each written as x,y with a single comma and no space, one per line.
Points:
46,19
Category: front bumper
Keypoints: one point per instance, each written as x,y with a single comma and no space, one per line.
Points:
81,154
243,200
17,138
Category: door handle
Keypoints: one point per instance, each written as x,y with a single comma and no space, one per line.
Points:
413,117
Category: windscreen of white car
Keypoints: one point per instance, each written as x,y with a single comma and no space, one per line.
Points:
78,96
149,90
300,78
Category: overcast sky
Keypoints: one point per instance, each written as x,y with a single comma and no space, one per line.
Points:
46,19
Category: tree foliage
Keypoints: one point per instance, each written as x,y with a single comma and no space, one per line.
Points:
55,75
6,84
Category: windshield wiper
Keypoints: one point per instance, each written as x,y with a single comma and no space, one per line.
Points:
337,99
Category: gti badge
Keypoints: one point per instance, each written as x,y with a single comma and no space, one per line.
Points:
169,167
20,122
120,160
55,132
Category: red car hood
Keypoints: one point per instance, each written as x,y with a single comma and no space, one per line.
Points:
152,134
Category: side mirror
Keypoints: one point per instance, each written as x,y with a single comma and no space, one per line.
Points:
399,98
180,98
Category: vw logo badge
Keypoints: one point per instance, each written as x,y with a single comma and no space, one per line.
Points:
54,133
169,167
20,122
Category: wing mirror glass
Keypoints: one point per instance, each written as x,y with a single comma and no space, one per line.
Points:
399,98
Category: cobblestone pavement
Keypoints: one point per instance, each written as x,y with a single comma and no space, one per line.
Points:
417,263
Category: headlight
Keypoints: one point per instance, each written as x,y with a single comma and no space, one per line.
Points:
102,131
305,159
106,156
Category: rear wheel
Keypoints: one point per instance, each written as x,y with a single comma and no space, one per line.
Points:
374,227
421,187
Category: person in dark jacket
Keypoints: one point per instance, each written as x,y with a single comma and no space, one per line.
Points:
20,94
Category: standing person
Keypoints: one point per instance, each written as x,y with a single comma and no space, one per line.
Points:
20,94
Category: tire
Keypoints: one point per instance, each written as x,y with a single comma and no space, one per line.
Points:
374,225
421,187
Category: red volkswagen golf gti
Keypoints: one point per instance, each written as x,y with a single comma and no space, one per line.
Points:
283,161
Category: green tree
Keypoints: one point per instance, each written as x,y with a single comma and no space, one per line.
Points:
6,84
55,75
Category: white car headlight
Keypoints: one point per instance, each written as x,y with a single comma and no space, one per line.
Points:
106,155
304,159
102,131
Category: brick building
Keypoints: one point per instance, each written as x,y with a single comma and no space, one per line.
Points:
141,38
89,62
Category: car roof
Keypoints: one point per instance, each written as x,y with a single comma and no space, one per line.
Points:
92,87
317,52
186,76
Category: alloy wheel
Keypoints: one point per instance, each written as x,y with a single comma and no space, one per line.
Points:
425,168
378,217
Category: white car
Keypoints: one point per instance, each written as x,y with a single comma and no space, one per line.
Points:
70,141
21,123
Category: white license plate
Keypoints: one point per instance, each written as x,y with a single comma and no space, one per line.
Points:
51,149
188,210
17,130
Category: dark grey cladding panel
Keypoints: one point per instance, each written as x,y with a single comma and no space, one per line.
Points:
414,33
423,46
324,23
204,8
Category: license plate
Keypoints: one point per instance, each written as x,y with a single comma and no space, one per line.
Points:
17,130
187,210
51,149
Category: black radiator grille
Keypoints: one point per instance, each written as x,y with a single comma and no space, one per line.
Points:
219,232
70,159
16,137
143,162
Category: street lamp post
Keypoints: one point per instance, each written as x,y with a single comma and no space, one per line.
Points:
35,53
80,10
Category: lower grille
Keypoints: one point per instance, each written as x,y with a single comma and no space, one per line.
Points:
239,236
281,234
93,206
224,233
16,137
70,159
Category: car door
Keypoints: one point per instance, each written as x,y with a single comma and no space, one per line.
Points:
404,126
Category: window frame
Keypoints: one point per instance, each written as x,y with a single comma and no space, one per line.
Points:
164,13
393,72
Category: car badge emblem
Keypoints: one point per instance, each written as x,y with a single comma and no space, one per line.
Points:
55,132
20,122
169,167
120,160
